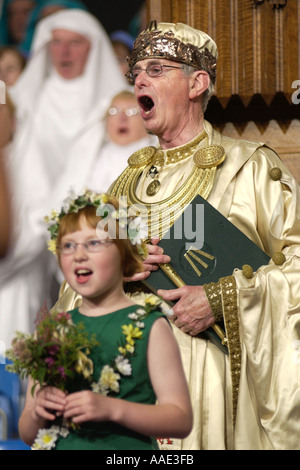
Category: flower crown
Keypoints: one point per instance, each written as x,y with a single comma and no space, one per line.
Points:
133,227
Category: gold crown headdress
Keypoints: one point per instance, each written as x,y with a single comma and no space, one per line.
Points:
177,42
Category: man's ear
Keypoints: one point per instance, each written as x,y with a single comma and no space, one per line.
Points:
199,82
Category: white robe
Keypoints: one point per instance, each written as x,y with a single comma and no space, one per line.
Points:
59,133
268,405
112,160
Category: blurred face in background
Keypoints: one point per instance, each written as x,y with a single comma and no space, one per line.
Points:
124,124
11,66
49,10
18,12
69,52
121,52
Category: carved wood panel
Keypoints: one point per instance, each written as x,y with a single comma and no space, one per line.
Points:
258,42
258,74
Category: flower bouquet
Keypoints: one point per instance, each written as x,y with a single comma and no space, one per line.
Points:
57,351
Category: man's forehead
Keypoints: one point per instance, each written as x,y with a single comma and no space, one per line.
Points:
60,33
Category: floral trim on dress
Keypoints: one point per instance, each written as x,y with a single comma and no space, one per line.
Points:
111,375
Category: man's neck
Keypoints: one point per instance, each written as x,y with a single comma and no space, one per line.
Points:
171,140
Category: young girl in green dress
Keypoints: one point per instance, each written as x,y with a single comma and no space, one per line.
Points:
147,398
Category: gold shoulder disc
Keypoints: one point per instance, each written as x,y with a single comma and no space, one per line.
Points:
209,156
141,157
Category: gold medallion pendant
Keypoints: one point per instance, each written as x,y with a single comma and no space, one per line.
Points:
153,188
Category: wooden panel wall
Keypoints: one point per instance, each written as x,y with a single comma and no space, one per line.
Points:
258,41
258,71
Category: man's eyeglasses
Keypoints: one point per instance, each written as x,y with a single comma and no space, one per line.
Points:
114,111
92,246
153,70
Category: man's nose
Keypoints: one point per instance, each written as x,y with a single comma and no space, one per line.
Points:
142,78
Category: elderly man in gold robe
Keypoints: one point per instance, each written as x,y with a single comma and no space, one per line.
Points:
250,397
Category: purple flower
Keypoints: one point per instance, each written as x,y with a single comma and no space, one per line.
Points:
50,361
53,350
61,371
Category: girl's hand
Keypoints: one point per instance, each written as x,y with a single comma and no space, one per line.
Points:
87,406
49,399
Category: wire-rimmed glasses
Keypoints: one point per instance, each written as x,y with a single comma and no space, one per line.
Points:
92,246
153,70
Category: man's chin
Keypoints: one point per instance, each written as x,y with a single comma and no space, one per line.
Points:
67,73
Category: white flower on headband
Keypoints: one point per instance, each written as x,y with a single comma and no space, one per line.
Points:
133,227
121,216
137,231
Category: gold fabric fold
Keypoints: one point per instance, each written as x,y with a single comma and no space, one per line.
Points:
264,400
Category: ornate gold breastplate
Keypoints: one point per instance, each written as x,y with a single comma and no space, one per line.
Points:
160,216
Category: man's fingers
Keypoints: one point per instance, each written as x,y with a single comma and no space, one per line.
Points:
172,294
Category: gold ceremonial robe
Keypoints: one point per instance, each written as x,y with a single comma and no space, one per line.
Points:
255,191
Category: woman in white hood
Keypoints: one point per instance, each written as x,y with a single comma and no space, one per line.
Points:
60,100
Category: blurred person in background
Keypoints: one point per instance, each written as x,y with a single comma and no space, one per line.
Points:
122,43
14,19
43,9
12,64
125,134
70,78
5,212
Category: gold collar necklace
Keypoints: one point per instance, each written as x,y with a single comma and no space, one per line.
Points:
162,158
200,181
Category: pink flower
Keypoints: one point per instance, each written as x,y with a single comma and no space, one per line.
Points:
53,350
63,315
61,371
50,361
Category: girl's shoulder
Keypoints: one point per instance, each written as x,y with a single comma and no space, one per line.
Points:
145,317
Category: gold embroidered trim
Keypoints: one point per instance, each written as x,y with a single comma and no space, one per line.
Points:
230,312
177,154
162,215
160,157
213,294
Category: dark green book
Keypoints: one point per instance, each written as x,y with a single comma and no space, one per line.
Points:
204,246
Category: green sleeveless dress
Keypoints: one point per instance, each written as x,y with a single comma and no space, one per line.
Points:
135,387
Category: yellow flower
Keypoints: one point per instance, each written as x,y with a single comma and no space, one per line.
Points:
54,215
131,332
109,379
104,198
84,365
152,300
52,246
129,348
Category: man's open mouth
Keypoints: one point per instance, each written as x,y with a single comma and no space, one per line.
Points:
146,103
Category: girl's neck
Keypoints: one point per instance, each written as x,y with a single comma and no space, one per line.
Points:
103,305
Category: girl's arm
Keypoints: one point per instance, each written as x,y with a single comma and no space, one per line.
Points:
5,209
36,413
170,417
5,213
